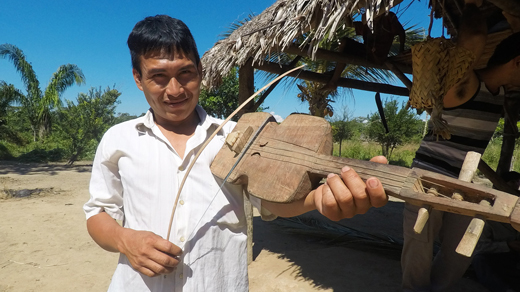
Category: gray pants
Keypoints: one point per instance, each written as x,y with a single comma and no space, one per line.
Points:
419,273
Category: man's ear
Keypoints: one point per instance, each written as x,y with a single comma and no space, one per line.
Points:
137,79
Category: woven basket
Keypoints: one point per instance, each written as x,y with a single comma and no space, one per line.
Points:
437,66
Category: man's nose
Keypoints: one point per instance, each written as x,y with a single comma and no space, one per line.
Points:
174,88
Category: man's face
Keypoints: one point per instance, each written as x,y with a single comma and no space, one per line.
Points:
171,85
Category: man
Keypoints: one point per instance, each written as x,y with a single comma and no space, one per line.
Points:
140,163
472,109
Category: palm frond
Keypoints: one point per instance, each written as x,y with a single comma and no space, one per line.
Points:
9,93
28,76
63,78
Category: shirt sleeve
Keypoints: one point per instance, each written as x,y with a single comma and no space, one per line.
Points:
106,190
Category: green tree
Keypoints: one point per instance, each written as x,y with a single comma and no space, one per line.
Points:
123,117
222,101
342,128
84,123
8,95
403,125
38,105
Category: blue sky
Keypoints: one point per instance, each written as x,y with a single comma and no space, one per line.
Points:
92,34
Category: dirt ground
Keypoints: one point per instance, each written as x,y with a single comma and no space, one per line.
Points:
44,244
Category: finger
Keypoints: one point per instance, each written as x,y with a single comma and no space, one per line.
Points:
330,205
157,268
379,159
147,272
357,189
318,198
338,202
168,247
376,192
165,260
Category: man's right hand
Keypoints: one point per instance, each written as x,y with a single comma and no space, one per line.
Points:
148,253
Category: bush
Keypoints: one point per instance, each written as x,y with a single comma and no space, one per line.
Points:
5,154
43,155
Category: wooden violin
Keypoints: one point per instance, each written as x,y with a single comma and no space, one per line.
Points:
284,162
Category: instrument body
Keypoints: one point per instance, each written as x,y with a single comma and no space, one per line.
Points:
284,162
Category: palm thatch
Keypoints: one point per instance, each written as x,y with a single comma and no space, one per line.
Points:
279,28
298,26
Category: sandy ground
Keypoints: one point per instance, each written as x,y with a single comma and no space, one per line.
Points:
44,244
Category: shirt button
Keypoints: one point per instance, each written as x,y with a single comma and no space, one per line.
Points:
180,275
181,202
181,168
182,238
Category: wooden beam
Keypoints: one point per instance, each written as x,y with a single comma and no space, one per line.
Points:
343,58
343,82
399,74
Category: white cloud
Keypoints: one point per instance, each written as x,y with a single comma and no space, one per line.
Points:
278,118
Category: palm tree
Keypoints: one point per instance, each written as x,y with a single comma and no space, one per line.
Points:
320,96
38,105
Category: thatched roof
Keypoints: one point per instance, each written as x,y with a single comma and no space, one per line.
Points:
276,29
281,26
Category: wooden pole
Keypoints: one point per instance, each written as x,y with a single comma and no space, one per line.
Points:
246,88
511,111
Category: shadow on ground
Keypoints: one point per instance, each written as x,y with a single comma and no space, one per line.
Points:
358,254
7,167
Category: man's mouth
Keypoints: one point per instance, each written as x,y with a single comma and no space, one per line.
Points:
175,102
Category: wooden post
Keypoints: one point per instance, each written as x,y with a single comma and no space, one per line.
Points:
512,109
246,88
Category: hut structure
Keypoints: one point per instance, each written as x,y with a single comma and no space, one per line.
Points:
297,27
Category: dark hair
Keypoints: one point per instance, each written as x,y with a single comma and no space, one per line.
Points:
506,51
160,33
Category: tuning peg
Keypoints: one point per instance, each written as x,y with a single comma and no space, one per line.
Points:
469,241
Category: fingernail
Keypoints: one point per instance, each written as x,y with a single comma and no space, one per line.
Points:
345,169
331,175
372,183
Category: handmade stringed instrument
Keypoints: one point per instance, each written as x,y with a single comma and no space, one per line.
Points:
284,162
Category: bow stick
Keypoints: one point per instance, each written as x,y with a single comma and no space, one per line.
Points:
213,135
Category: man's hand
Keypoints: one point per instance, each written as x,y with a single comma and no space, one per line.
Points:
346,196
149,253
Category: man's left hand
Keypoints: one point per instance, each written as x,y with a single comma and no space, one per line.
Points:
347,195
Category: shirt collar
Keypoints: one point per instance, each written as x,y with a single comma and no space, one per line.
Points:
206,121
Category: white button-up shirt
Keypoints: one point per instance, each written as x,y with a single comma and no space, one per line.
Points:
135,177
